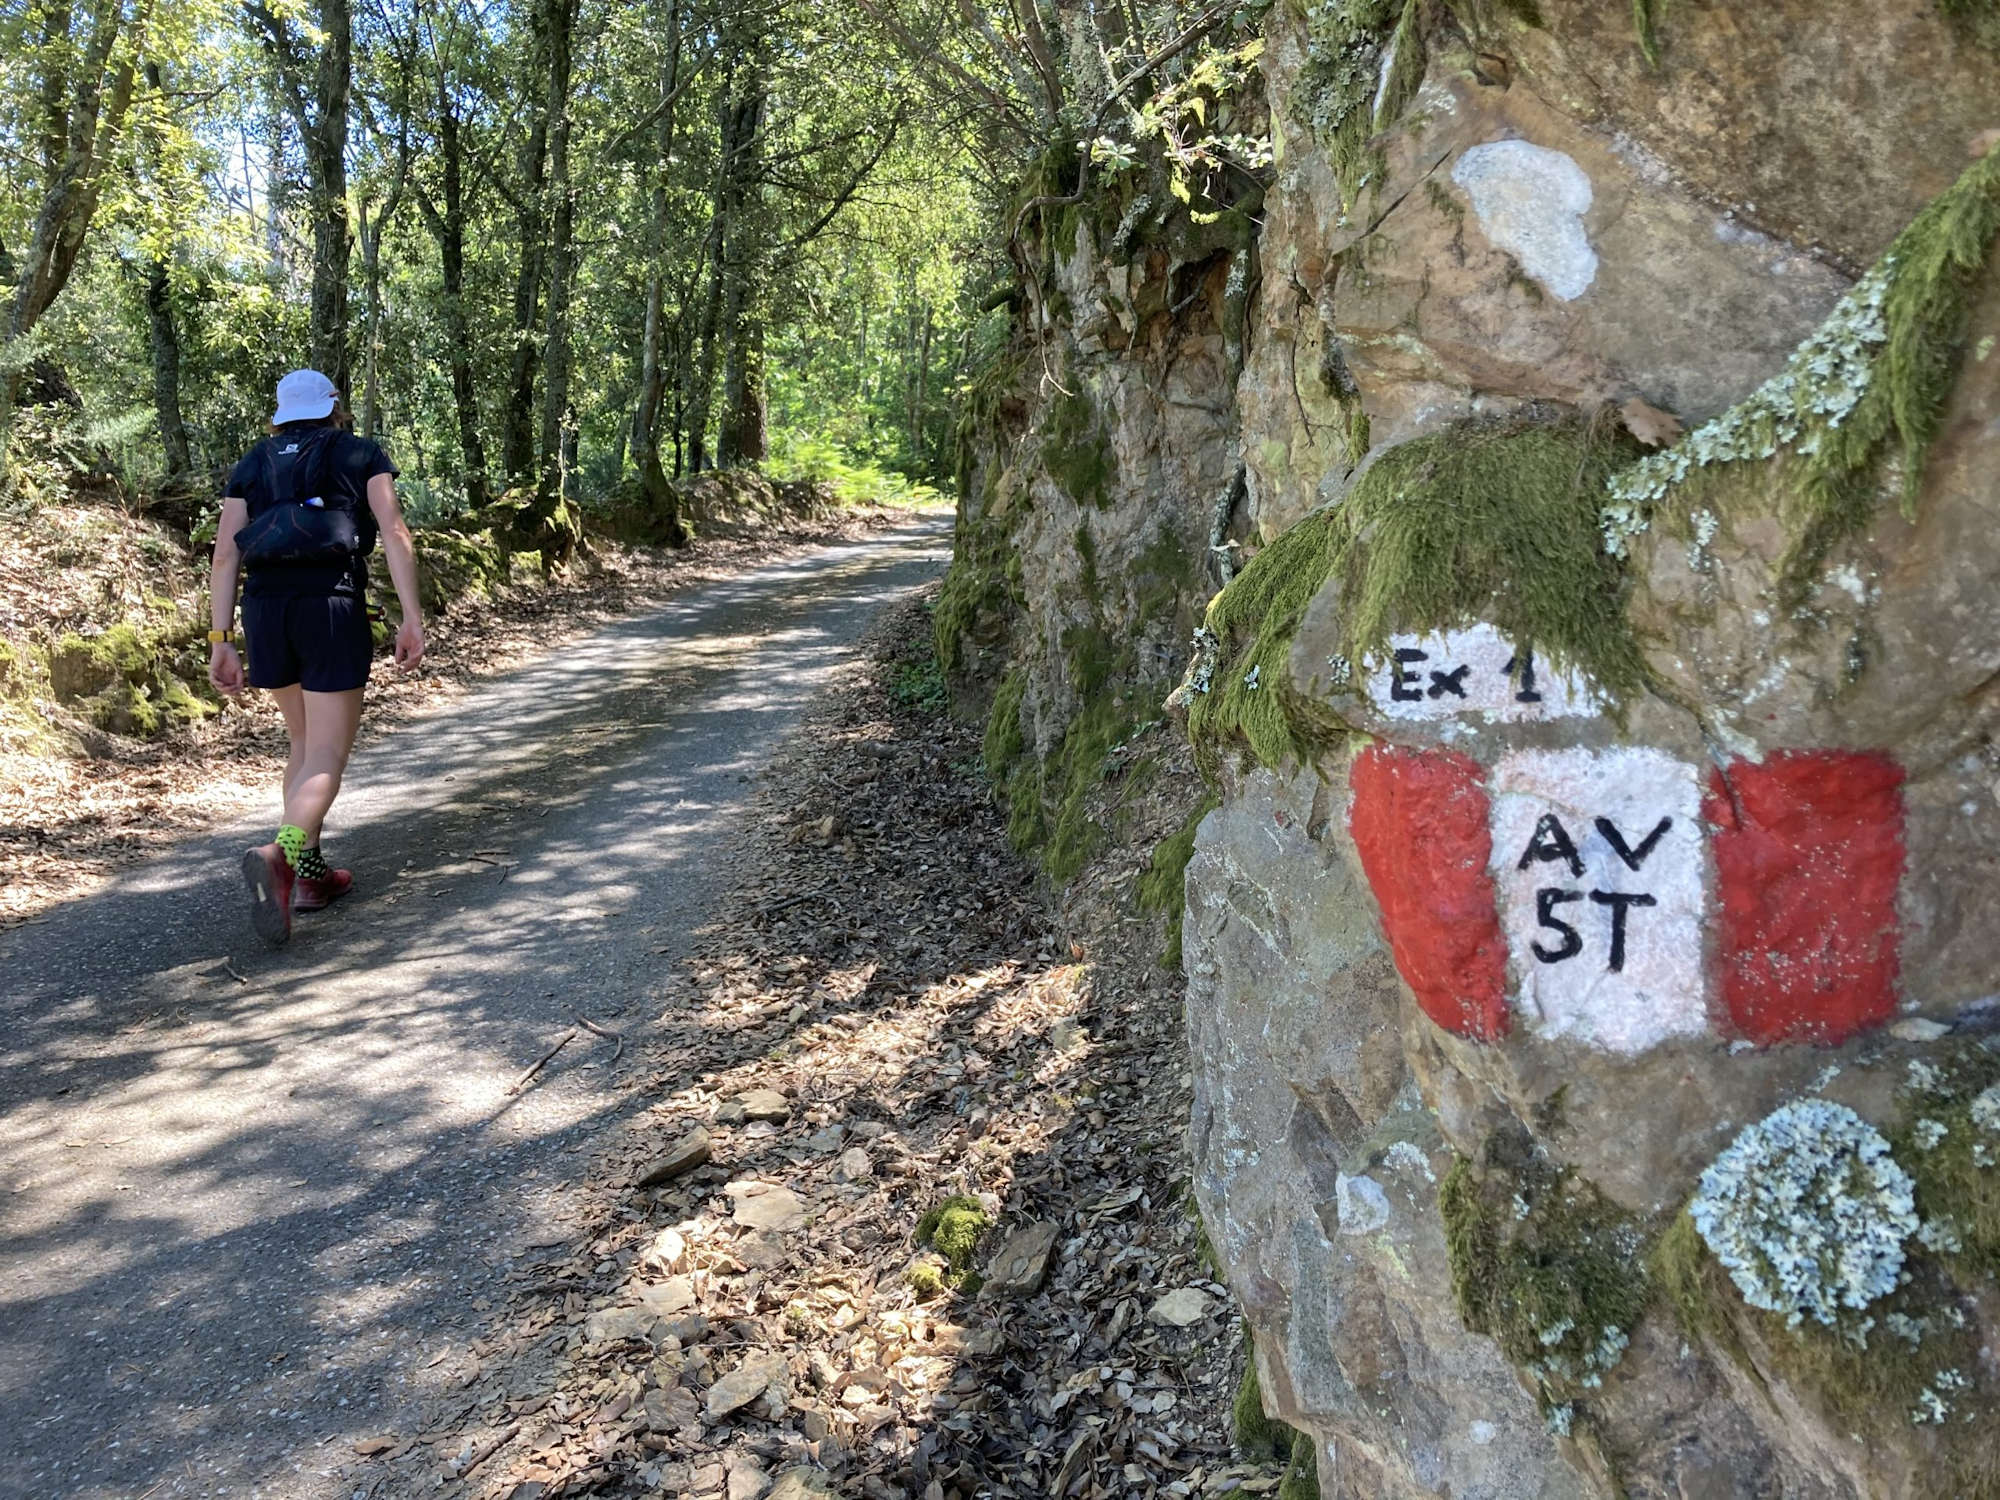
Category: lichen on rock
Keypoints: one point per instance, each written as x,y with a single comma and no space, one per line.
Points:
1862,395
1808,1211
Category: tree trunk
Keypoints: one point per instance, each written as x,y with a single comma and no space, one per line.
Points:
166,340
917,444
84,103
448,229
517,430
556,415
741,439
326,160
660,497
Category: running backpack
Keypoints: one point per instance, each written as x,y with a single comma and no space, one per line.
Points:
300,527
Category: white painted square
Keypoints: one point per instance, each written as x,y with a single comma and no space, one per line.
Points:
1446,674
1547,805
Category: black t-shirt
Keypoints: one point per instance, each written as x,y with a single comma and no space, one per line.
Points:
340,476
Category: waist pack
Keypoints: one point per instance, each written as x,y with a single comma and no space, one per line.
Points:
300,528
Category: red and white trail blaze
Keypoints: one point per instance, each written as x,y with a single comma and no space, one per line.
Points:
1622,897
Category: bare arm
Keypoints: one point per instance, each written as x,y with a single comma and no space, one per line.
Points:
225,665
402,555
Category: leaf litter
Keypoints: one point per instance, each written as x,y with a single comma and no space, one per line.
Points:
887,1018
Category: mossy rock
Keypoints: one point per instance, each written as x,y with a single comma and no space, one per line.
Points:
1077,451
1163,883
453,565
81,666
953,1229
1487,519
1543,1264
1259,1438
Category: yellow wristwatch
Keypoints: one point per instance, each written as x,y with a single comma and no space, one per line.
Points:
221,637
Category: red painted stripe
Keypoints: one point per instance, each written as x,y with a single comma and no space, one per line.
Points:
1808,857
1419,820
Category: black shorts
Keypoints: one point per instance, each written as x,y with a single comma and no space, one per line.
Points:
321,642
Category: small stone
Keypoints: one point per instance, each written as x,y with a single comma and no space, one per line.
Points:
766,1104
765,1205
826,1142
667,1253
1180,1308
744,1384
665,1298
747,1479
1065,1034
611,1324
803,1483
687,1153
730,1112
1022,1263
669,1409
1917,1029
761,1252
855,1165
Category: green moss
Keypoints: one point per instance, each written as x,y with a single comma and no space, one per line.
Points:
980,591
953,1230
1483,520
1301,1481
925,1277
1645,21
1259,1438
454,565
1003,743
1948,1139
81,666
1980,19
1076,450
1543,1264
1858,403
1163,883
1341,91
1077,768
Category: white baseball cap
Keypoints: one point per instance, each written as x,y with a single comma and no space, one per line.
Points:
304,396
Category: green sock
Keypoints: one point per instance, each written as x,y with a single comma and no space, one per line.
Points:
292,840
312,864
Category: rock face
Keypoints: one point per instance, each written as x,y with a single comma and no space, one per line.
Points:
1590,995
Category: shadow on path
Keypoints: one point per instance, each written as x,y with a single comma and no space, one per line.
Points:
244,1214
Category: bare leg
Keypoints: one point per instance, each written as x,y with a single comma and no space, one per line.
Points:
330,722
291,701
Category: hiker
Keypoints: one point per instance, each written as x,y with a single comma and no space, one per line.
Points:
299,516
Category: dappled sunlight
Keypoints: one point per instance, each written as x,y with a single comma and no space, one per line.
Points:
217,1158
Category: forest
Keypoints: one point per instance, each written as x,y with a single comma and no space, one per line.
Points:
550,248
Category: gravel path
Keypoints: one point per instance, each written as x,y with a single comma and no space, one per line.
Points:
254,1206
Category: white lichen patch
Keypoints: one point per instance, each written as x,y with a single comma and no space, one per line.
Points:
1808,1212
1927,1133
1986,1110
1819,386
1530,202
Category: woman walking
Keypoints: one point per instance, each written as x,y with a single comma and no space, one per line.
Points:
300,515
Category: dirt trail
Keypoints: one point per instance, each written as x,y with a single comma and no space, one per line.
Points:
254,1207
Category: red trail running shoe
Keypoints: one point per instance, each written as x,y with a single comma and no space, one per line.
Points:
313,895
269,876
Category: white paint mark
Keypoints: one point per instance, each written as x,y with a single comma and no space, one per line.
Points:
1484,1433
1361,1203
1530,202
1597,859
1474,671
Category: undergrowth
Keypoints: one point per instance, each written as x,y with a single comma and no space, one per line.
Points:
1493,520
